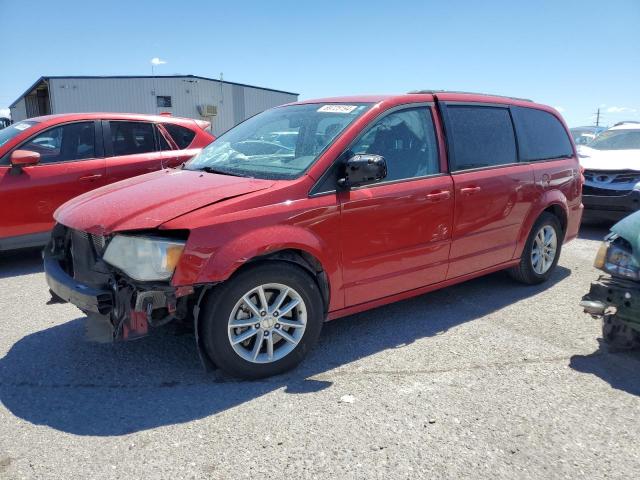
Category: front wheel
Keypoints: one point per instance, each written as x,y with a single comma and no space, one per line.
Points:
541,252
263,321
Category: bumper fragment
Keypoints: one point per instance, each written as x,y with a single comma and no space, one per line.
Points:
612,207
86,298
621,294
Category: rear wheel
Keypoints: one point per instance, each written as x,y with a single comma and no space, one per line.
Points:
263,321
618,334
541,252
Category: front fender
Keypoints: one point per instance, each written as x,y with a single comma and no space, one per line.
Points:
261,242
232,253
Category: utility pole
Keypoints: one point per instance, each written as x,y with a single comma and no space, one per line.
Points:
597,114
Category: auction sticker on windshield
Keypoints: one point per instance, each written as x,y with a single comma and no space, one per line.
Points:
337,108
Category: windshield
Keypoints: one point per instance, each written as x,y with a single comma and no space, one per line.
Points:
280,143
14,130
617,140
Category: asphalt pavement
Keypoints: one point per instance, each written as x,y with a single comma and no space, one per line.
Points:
486,379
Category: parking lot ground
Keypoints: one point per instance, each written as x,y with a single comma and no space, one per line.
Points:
487,379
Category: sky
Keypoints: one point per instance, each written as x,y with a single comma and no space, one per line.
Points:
574,55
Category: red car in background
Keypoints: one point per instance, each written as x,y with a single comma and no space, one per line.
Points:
45,161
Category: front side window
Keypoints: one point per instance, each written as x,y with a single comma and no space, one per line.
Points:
617,140
74,141
407,141
541,135
280,143
131,138
481,137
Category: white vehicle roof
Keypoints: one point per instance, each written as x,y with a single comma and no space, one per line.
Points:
627,126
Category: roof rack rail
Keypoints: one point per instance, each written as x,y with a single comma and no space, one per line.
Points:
624,122
471,93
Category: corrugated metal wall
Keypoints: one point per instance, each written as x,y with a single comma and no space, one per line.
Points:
138,95
19,110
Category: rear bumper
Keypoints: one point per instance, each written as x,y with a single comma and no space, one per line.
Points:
612,207
86,298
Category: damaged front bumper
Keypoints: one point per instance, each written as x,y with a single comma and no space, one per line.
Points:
76,273
67,289
614,295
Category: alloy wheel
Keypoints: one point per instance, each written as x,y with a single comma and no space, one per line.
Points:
544,248
267,323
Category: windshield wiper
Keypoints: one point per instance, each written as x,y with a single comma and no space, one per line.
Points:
220,172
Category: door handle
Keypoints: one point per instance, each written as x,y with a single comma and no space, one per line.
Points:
438,196
470,190
90,177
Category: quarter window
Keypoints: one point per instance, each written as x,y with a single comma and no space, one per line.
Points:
181,135
480,137
130,138
73,141
162,142
541,135
407,141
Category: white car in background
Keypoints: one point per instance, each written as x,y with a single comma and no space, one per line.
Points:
612,173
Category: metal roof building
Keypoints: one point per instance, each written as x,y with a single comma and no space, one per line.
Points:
223,103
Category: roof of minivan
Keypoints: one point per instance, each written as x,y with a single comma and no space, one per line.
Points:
425,97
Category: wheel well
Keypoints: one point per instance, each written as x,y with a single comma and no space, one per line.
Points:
560,214
304,260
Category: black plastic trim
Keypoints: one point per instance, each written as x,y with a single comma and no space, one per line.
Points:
86,298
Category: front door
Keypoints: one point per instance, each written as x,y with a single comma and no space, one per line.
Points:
70,164
396,234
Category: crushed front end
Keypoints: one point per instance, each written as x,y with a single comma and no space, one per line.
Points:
615,298
92,272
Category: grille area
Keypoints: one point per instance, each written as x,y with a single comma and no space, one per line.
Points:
612,176
603,192
98,241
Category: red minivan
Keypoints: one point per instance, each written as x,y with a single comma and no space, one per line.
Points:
46,161
320,209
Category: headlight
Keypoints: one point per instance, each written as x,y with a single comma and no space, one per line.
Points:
144,258
616,260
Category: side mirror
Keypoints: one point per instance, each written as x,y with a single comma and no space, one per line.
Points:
363,168
24,158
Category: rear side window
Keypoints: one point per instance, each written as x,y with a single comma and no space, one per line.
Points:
541,136
181,135
480,137
130,138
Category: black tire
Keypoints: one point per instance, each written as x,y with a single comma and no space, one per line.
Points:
524,271
218,308
618,334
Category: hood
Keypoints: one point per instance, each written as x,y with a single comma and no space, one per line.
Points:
150,200
629,229
592,159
